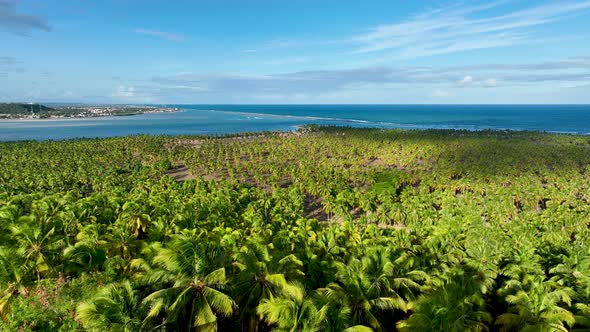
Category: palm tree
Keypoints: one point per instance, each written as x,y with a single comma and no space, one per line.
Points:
84,256
403,281
256,280
293,312
14,279
573,270
538,308
35,244
115,308
120,242
455,306
364,293
194,284
582,317
9,215
137,222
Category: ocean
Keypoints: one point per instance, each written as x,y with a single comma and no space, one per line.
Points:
225,119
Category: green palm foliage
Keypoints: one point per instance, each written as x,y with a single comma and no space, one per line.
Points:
36,244
255,280
574,271
325,229
84,256
13,279
194,285
293,311
137,221
538,309
364,290
116,308
582,317
455,306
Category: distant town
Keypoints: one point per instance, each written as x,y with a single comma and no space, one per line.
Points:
22,111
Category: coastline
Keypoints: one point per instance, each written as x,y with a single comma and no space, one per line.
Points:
53,118
203,120
394,125
20,112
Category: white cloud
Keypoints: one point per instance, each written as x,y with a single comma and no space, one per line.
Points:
466,80
124,92
469,82
490,83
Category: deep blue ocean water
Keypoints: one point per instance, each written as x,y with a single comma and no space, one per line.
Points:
224,119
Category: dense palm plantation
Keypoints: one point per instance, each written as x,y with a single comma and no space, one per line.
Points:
326,229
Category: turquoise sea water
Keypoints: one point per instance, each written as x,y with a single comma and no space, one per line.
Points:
223,119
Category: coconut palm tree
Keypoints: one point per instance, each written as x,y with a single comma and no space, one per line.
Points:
455,306
539,308
137,221
292,312
193,283
573,270
116,307
14,279
36,244
364,293
85,255
257,279
582,318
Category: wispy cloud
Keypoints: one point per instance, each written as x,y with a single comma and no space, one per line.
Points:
10,64
124,92
450,29
294,82
565,64
490,83
20,24
7,61
148,93
160,34
327,81
300,82
471,82
456,29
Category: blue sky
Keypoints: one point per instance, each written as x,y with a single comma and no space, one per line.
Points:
275,51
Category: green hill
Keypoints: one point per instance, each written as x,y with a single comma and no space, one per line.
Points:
18,109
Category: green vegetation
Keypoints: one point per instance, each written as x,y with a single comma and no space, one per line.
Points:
327,229
15,110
